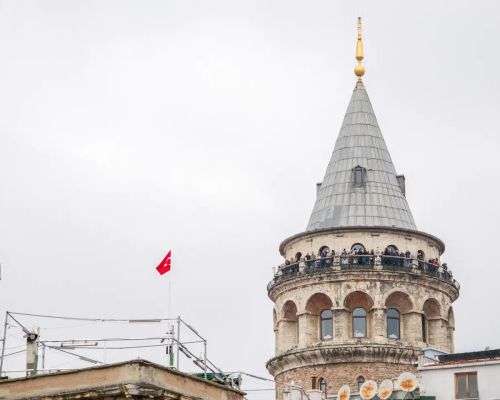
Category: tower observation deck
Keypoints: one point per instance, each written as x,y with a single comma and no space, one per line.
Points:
361,292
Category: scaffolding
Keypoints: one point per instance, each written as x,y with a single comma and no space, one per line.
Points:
173,340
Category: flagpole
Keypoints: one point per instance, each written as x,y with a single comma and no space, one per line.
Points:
169,310
169,305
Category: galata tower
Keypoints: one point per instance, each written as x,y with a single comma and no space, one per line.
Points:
362,292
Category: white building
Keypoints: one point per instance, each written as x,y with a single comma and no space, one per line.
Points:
461,376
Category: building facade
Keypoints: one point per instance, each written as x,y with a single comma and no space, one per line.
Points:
361,292
461,376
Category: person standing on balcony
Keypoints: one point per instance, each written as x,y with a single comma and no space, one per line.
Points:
351,258
308,260
396,261
343,257
332,257
324,255
420,258
407,262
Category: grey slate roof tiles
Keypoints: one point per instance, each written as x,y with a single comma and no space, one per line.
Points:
379,201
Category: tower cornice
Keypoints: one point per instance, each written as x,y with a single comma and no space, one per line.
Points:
346,353
395,277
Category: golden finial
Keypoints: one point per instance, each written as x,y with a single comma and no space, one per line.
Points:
359,70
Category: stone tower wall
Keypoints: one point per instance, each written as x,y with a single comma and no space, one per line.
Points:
337,375
424,304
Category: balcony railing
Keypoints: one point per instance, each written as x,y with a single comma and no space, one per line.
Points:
361,263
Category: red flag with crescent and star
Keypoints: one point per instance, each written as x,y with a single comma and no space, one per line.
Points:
164,266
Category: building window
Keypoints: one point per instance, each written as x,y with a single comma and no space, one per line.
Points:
359,176
326,318
359,322
393,324
360,381
313,382
424,328
466,386
358,247
322,386
391,249
323,251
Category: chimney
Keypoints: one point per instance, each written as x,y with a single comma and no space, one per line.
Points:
318,187
31,354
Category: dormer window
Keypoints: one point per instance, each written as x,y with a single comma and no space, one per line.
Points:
359,175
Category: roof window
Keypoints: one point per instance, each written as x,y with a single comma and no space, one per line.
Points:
359,175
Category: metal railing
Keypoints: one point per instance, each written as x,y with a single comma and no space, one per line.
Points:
361,263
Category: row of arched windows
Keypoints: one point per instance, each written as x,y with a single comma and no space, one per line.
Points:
359,324
356,319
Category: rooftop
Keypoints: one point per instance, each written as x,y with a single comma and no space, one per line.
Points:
137,378
458,358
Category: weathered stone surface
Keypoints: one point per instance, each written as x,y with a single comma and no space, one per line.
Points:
301,355
337,375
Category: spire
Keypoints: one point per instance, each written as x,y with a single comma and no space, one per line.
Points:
359,70
360,187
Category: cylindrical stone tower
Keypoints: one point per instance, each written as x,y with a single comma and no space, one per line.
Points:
362,293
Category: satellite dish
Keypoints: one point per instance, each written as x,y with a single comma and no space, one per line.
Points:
385,389
344,393
407,382
368,390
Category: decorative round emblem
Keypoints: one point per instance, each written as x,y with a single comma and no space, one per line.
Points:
407,382
344,393
368,390
385,389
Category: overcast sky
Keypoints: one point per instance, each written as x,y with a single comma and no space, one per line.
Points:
128,128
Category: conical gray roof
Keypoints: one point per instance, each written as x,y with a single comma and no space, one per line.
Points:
378,200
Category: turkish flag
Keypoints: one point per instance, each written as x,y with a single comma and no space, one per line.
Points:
164,266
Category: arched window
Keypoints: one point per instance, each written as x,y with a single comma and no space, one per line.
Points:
393,324
359,322
322,386
326,327
298,256
391,249
357,247
424,328
323,250
360,382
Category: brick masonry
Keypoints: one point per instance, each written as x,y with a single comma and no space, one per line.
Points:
337,375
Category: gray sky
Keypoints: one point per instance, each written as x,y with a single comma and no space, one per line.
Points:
132,127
